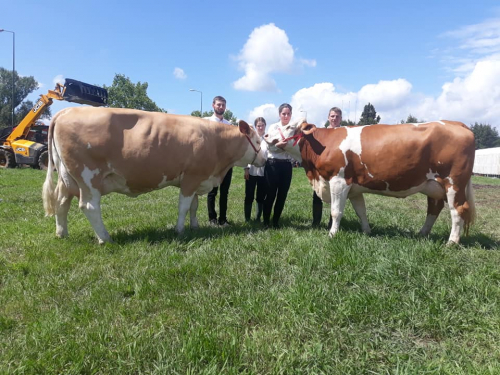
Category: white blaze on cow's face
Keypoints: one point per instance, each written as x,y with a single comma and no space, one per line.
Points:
278,134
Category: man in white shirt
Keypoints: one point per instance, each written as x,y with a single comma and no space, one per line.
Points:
219,106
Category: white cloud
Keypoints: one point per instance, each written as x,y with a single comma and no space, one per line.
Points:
475,42
473,95
266,51
179,73
268,111
474,98
57,79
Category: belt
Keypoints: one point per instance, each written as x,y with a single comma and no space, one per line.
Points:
273,161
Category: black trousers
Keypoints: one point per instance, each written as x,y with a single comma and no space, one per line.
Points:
317,200
224,191
253,182
278,174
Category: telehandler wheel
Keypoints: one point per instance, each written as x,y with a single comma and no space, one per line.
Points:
7,159
43,160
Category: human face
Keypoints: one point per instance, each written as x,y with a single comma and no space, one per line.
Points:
334,119
285,116
261,128
219,107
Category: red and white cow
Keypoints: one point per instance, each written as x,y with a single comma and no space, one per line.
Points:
434,158
97,151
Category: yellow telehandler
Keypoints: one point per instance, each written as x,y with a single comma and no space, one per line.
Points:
17,149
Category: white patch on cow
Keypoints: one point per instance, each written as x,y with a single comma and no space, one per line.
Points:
89,146
87,176
352,142
322,189
339,190
457,222
184,206
450,180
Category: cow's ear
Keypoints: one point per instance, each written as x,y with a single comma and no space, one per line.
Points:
307,128
244,127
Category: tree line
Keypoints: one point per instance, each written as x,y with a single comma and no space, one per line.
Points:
123,93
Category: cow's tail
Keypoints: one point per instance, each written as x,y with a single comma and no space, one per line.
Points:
48,191
470,217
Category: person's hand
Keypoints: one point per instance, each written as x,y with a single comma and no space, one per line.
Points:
247,174
281,144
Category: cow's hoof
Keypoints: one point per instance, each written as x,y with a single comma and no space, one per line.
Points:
105,241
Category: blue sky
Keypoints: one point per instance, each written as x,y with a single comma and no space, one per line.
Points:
433,59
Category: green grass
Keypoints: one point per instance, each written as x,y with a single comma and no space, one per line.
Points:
243,300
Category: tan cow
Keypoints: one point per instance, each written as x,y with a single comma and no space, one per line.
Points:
97,151
434,158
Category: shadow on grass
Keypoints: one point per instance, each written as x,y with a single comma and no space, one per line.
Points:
155,235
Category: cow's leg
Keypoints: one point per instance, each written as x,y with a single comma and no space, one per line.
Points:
457,222
184,206
358,203
192,212
434,207
338,191
90,204
63,203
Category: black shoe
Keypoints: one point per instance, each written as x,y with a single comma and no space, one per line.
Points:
224,223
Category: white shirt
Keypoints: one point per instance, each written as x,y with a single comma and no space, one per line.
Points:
274,152
216,119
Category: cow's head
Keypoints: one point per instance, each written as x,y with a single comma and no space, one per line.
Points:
290,133
253,153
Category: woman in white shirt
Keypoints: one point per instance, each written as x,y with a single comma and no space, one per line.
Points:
278,171
254,177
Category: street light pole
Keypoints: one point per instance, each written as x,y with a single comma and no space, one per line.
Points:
201,101
13,68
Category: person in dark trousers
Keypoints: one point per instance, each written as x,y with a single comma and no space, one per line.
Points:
277,172
334,120
219,106
254,178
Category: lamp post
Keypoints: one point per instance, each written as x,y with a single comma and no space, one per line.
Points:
13,67
201,101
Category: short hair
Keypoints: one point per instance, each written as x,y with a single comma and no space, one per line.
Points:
337,110
219,98
283,106
261,119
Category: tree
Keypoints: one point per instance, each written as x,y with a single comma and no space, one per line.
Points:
369,115
345,123
486,136
228,115
410,120
23,87
125,94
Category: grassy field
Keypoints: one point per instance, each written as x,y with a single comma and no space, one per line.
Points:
243,300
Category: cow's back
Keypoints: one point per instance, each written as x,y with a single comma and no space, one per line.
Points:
143,149
397,157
